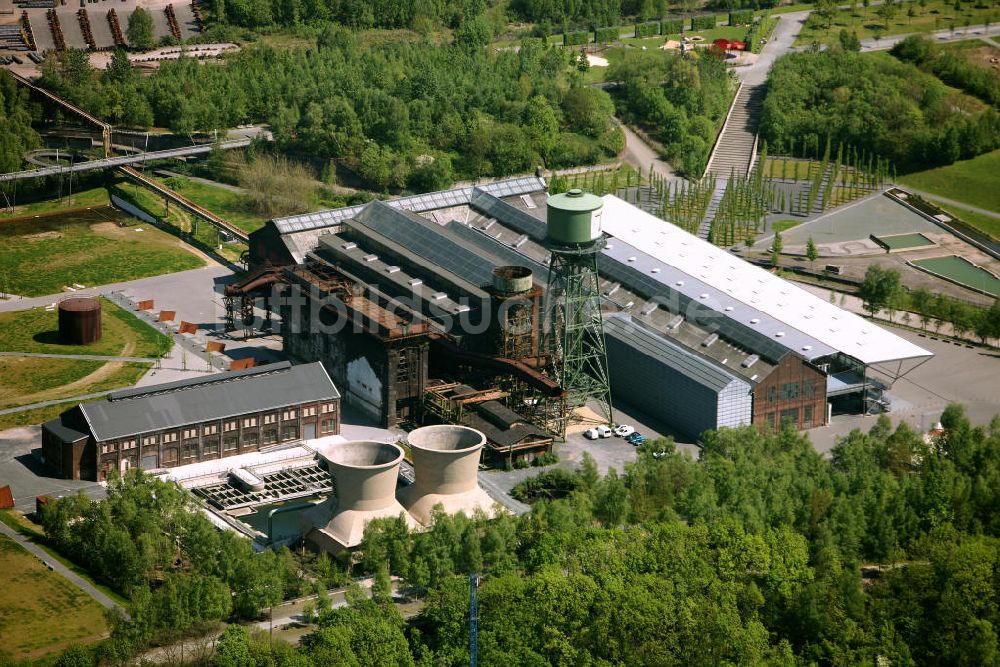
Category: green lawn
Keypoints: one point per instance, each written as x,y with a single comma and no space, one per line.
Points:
122,334
229,205
936,15
42,255
28,380
94,197
203,233
34,532
35,416
971,181
42,611
783,225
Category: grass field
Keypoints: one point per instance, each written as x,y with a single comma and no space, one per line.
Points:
42,611
34,416
122,334
935,15
202,233
42,255
35,533
971,181
229,205
962,272
94,197
783,225
28,380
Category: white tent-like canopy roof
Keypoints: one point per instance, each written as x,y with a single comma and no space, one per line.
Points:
772,298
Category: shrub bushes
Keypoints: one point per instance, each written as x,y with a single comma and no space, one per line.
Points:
705,22
576,38
671,26
605,35
647,29
741,17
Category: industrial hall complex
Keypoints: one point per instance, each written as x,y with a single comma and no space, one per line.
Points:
436,306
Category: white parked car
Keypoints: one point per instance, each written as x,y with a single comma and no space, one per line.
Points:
624,430
595,432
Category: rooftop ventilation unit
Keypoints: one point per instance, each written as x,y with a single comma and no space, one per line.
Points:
414,282
676,322
370,258
648,309
445,466
349,246
521,240
711,339
612,289
438,296
750,361
392,269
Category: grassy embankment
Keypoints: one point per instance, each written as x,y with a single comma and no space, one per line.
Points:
973,182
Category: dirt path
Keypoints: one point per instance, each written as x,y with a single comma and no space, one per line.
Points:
83,384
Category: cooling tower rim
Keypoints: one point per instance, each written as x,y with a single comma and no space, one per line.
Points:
340,454
445,428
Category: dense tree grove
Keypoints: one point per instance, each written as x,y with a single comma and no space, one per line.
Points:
403,114
680,101
762,551
149,542
875,103
16,134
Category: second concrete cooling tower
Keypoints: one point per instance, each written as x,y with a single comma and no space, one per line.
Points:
445,465
365,475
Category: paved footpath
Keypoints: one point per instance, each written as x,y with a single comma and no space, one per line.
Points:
61,569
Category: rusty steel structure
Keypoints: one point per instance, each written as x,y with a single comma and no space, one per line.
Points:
79,321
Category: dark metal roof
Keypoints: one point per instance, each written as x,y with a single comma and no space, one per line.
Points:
504,437
500,414
696,367
63,432
175,404
509,215
427,240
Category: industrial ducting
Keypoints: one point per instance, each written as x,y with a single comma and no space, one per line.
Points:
364,475
446,465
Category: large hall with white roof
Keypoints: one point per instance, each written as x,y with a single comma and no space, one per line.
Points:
697,337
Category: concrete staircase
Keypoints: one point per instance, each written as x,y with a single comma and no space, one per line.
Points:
712,208
735,144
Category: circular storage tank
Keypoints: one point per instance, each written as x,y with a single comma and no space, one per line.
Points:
511,279
79,321
365,474
574,217
445,458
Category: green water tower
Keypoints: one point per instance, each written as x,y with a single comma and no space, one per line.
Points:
574,330
574,218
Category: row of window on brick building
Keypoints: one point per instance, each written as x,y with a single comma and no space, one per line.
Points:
238,432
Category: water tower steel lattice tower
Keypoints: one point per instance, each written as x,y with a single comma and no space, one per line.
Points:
574,330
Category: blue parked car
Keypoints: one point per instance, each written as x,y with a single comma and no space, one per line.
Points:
636,439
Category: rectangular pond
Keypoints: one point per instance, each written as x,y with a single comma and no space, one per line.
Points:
904,241
961,271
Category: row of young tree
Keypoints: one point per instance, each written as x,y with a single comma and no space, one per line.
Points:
402,114
882,289
874,103
362,14
761,551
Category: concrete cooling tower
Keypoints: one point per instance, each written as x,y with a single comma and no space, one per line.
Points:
445,464
364,475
